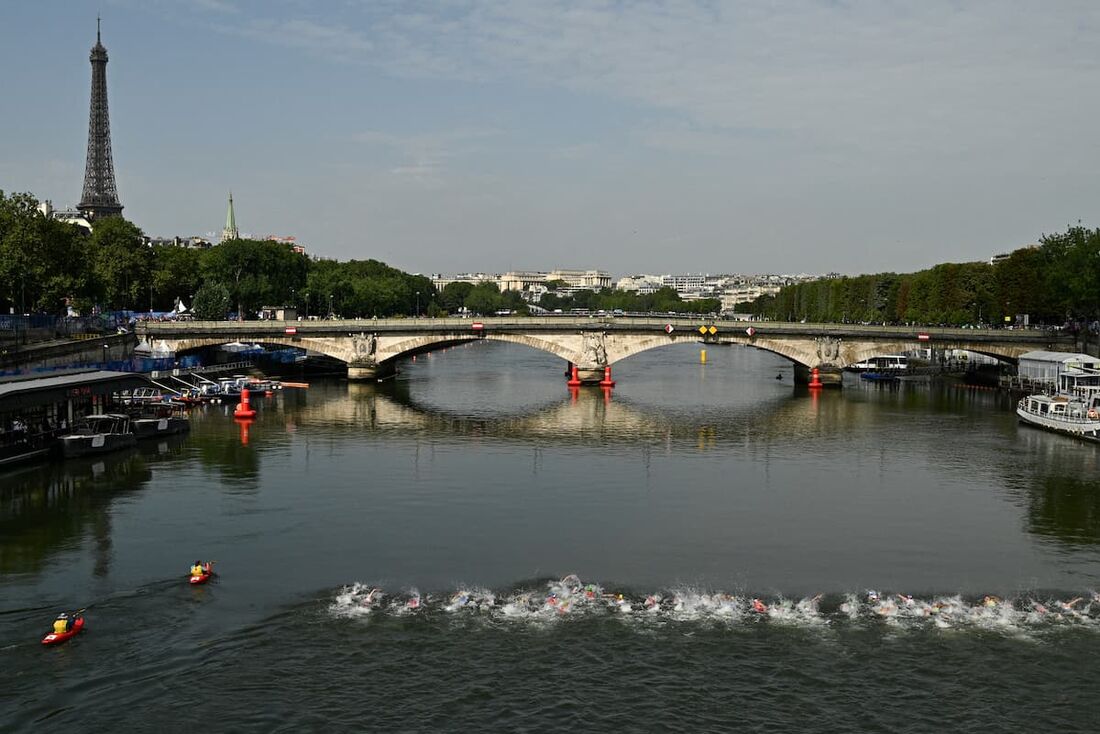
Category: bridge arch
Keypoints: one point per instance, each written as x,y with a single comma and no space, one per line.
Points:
328,347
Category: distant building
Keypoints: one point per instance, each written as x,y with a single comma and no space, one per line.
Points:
441,281
194,243
640,284
68,216
521,280
592,280
292,241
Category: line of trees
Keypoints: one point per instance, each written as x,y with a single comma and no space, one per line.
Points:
48,266
663,300
1054,282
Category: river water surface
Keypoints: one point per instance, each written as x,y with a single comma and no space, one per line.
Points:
548,561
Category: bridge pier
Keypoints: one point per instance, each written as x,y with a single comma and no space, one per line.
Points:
829,375
590,375
369,371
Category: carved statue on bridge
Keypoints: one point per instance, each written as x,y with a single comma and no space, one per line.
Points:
364,345
828,349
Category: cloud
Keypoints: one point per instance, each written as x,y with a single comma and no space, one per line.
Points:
424,155
859,77
334,41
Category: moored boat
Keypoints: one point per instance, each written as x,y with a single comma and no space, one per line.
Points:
1075,415
97,434
163,420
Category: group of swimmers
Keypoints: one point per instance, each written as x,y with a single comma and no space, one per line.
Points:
570,593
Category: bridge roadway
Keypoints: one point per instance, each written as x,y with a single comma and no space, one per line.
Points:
371,347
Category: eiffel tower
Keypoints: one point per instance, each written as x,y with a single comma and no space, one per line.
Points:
100,197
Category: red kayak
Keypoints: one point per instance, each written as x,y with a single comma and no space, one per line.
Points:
200,579
53,638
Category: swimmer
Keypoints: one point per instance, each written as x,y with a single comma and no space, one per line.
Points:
759,607
652,602
990,601
1067,606
413,602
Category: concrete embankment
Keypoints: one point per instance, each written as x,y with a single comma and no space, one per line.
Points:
65,352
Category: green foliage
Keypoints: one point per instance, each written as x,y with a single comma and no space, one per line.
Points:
175,275
43,262
211,301
257,273
366,288
1056,281
484,298
122,264
662,301
453,297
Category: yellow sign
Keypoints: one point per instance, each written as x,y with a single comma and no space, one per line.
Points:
713,330
703,330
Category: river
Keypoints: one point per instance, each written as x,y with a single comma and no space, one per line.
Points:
517,513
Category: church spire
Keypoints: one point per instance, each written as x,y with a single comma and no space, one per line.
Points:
230,232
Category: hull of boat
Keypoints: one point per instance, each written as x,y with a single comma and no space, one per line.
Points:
153,427
1088,430
97,443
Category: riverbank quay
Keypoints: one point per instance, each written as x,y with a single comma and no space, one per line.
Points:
35,410
59,353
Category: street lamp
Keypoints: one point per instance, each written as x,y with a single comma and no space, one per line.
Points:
331,312
307,305
418,304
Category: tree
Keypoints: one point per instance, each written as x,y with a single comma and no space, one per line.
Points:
453,297
175,274
211,301
484,298
121,262
256,272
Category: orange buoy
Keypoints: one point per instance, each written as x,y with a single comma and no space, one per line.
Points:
243,409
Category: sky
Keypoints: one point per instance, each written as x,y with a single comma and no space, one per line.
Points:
635,137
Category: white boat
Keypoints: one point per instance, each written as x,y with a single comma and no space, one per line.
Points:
1074,415
96,434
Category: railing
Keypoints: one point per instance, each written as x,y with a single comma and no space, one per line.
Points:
176,372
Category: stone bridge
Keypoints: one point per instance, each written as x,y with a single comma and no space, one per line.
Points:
371,347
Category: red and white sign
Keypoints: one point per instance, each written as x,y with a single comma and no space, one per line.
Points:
750,331
290,330
669,329
924,336
477,326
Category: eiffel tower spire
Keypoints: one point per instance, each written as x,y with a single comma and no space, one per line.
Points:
100,197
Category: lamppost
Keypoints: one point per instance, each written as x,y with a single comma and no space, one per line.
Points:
418,304
331,312
307,305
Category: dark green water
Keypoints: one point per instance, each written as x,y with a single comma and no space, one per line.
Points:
475,476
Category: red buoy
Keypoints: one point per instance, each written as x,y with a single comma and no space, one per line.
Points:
607,381
815,378
244,410
574,380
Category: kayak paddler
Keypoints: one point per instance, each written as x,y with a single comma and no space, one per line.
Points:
201,569
62,624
